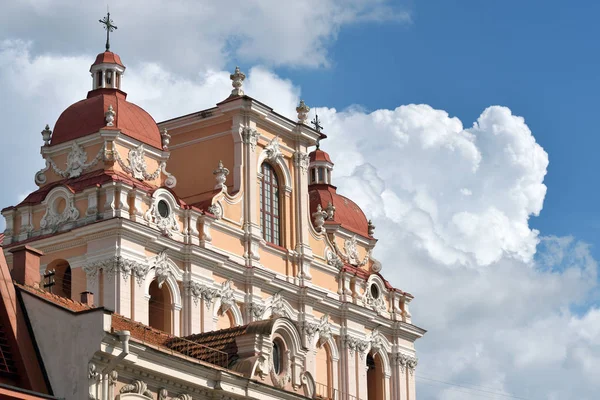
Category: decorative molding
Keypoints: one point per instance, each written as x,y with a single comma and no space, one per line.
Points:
249,136
221,177
226,295
136,166
280,380
198,292
160,263
376,340
162,394
377,304
302,111
137,387
319,218
277,306
237,79
113,265
350,253
405,361
52,219
167,225
323,328
110,115
301,161
76,164
216,209
273,151
356,345
184,396
330,209
257,310
371,228
166,139
333,259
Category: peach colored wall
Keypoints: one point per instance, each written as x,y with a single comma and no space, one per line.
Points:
324,279
225,241
275,262
225,321
193,165
186,134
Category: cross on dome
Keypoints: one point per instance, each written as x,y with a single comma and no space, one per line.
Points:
109,27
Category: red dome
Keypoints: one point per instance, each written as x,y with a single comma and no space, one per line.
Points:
347,213
87,116
108,57
319,155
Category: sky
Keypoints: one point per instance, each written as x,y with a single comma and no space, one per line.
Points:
464,129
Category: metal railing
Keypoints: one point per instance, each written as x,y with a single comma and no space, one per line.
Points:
325,392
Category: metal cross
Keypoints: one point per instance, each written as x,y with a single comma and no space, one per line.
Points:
108,25
316,123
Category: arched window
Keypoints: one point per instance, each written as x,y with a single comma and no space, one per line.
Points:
324,372
269,205
375,378
160,307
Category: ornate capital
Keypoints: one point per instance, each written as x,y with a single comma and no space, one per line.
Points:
250,136
301,161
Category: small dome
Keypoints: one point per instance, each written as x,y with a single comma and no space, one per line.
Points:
87,116
319,155
347,213
108,57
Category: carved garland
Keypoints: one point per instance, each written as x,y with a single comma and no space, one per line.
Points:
112,266
136,166
350,253
76,164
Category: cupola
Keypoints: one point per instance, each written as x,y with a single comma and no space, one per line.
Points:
320,168
107,71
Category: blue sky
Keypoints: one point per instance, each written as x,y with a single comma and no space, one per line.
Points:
539,58
452,205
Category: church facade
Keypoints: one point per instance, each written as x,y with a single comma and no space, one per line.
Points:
207,256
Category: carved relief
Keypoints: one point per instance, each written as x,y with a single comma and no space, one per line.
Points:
356,345
377,304
167,225
226,294
350,253
250,136
301,161
333,259
137,387
161,268
216,210
273,151
406,362
76,164
136,166
277,306
52,219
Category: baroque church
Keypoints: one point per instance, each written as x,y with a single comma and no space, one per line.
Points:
208,256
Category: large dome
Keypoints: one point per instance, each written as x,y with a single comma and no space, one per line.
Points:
347,213
87,116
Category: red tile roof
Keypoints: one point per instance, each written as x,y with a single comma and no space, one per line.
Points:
347,213
71,305
87,116
90,179
319,155
108,57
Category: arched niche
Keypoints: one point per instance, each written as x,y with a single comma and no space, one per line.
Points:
160,307
62,278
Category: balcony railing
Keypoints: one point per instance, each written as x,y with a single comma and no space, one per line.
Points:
324,392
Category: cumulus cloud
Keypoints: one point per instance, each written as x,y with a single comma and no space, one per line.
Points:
507,309
192,34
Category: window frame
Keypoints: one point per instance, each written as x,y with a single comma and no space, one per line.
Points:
270,204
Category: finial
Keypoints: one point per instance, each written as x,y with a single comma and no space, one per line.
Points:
221,176
302,111
238,78
46,135
330,211
110,116
371,228
319,218
166,139
108,25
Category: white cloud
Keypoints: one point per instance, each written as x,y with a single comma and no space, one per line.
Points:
197,34
451,207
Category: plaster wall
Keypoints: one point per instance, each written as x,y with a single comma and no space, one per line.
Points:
67,342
